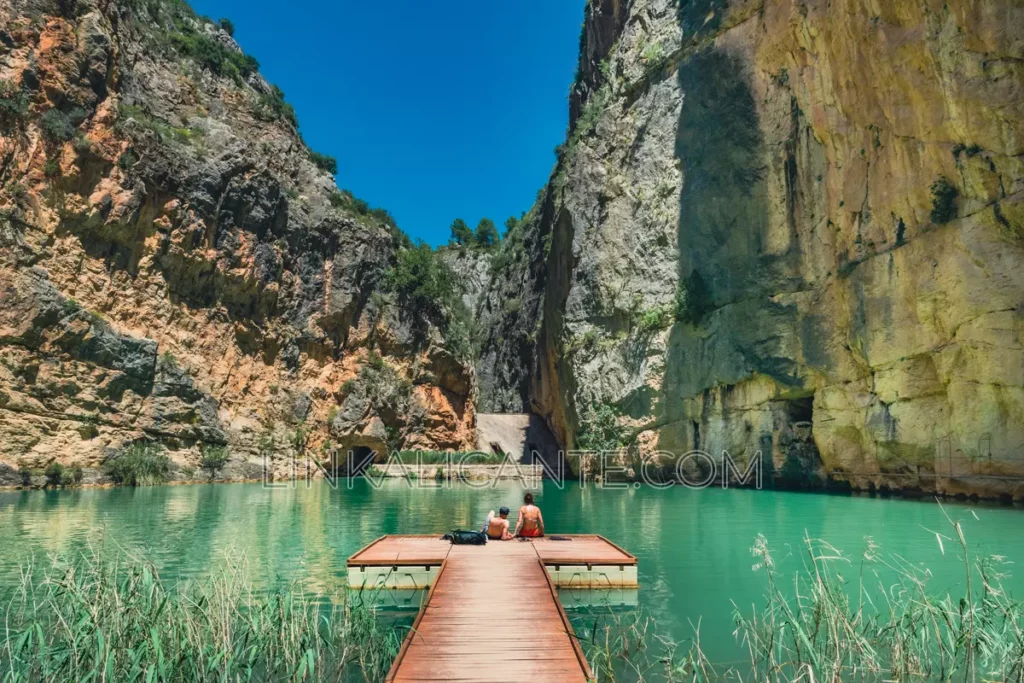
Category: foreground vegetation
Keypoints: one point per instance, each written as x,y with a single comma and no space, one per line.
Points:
97,618
828,624
108,616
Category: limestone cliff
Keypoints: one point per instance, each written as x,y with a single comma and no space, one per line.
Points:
176,265
793,228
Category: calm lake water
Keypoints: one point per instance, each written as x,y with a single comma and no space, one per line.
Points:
693,547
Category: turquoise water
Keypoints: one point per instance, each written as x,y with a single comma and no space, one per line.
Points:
693,547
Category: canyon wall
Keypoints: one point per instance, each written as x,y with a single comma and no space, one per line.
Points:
177,267
791,230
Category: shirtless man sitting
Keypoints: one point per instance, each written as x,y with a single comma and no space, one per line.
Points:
531,522
496,528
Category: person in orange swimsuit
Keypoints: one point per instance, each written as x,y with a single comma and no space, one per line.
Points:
531,522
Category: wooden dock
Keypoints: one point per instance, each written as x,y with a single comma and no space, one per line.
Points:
492,612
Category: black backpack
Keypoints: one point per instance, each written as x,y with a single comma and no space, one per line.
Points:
460,537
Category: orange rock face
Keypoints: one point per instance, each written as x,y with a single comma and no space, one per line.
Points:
174,268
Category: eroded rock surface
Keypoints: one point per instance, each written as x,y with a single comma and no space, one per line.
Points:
790,228
175,267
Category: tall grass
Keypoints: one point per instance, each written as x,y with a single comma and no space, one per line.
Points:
830,622
137,465
92,618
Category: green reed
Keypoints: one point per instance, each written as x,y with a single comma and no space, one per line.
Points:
839,619
102,619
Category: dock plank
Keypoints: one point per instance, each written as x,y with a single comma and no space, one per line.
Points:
499,590
402,550
492,612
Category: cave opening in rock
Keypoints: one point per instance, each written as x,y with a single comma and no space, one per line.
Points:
362,458
801,410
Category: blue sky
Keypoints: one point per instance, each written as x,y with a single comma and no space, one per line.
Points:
434,110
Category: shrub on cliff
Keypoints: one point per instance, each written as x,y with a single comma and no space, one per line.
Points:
13,107
211,54
137,465
228,26
384,385
693,299
162,129
273,107
213,459
54,474
59,127
943,201
655,319
26,474
324,162
423,283
599,429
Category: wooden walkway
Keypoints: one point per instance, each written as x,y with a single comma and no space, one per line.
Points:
492,613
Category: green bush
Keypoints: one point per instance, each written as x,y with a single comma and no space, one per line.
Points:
211,54
127,160
17,190
76,476
324,162
344,199
383,216
360,206
591,113
424,284
599,429
163,130
212,459
54,474
137,465
82,144
228,26
385,385
273,107
51,169
26,473
693,299
339,200
944,196
13,107
58,127
393,439
655,320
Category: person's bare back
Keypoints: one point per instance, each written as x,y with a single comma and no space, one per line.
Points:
531,521
496,527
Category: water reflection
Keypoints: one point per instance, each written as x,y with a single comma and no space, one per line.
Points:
693,547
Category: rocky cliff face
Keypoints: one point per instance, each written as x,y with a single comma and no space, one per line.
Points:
174,265
791,228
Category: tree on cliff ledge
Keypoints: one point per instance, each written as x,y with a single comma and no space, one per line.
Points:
461,234
486,234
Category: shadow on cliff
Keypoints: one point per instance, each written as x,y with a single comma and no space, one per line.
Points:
729,329
722,218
